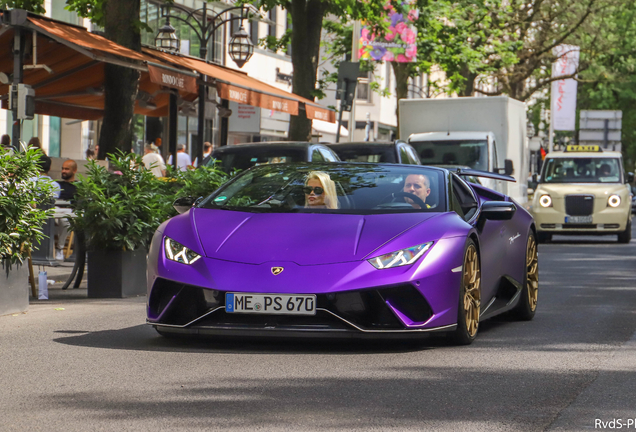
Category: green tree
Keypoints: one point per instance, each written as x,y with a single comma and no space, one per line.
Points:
610,81
36,6
305,38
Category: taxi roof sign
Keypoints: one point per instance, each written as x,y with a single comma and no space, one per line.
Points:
583,148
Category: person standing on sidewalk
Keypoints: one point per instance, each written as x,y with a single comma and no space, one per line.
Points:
67,193
153,160
183,159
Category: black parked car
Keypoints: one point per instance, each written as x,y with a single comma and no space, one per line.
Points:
377,151
244,156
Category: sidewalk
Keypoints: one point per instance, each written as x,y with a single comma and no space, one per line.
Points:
60,275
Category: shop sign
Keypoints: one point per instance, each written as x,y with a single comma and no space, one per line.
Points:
172,79
244,118
323,114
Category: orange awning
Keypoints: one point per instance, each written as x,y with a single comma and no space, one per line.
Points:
239,87
76,58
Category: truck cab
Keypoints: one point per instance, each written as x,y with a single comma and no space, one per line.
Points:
476,150
485,133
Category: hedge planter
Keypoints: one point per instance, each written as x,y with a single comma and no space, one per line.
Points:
116,274
14,288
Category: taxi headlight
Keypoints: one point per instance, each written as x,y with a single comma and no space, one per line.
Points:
545,201
177,252
614,201
400,258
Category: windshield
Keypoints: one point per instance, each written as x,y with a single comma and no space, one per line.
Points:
472,153
333,188
247,157
582,170
366,154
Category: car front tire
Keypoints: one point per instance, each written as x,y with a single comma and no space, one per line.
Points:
626,236
469,297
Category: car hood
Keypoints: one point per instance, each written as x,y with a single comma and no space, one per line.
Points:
303,238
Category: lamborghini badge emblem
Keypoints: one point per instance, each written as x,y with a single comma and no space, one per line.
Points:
277,270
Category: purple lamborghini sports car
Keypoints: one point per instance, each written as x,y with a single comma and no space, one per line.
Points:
343,250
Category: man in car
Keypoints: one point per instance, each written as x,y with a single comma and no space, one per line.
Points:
418,185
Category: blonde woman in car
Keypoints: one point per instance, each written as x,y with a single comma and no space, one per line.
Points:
320,191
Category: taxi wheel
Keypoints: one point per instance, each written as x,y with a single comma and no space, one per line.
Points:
543,237
626,236
527,305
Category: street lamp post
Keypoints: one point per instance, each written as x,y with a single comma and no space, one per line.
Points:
241,48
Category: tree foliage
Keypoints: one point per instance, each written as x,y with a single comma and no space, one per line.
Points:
36,6
23,196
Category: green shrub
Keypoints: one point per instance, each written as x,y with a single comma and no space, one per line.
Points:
22,192
121,209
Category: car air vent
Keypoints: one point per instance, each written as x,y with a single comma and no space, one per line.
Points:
579,205
579,226
548,226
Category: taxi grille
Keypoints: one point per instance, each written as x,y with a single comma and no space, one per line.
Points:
579,205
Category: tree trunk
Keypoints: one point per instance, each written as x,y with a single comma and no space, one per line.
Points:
402,73
469,88
307,25
120,83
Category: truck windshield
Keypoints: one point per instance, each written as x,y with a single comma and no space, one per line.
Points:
581,170
472,153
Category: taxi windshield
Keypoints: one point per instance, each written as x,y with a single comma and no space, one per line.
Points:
582,170
333,188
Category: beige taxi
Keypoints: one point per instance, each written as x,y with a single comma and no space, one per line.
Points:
583,190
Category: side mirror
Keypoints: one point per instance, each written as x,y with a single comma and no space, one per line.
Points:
535,178
508,167
498,210
183,204
630,177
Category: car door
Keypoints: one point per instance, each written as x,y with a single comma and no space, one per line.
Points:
491,237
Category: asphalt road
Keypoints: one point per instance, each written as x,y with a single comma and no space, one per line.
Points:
95,366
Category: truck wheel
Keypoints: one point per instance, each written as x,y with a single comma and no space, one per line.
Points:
626,236
543,237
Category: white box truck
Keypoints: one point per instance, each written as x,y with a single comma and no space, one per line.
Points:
484,133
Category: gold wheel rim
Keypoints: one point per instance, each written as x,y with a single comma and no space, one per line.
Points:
472,291
532,273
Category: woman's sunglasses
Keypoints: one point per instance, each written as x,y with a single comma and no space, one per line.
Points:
317,190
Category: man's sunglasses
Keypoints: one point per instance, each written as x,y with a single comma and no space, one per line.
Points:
317,190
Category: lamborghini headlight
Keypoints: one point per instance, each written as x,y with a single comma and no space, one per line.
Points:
400,258
177,252
614,201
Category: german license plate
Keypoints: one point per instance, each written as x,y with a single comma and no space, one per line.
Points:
578,219
273,304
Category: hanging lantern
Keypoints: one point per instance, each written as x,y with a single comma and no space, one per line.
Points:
166,38
241,47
